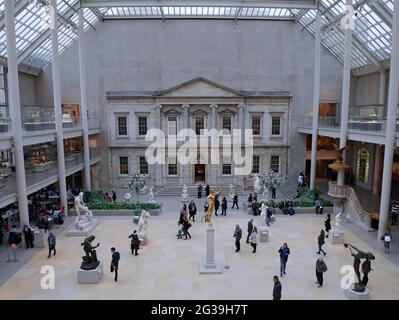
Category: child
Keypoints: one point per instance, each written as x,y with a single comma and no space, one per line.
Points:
387,241
179,231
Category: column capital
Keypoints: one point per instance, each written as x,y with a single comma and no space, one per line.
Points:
213,106
242,106
159,106
186,106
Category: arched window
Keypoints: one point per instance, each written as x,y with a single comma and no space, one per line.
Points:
363,162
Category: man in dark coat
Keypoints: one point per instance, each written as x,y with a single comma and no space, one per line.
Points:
207,190
277,288
51,241
250,228
28,235
135,243
235,201
237,234
200,191
113,196
115,262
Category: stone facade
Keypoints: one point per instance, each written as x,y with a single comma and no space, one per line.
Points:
210,104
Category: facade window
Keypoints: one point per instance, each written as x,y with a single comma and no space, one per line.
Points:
275,163
123,165
143,165
256,125
363,163
172,126
255,164
142,126
122,126
172,166
226,125
226,166
199,125
276,126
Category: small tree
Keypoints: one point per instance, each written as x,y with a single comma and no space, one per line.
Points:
271,180
136,182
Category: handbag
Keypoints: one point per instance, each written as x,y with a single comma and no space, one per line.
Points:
112,268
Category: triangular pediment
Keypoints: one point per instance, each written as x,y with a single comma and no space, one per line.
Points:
200,87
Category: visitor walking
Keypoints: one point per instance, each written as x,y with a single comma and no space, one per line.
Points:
113,196
366,268
250,228
253,238
327,224
321,242
207,190
235,201
186,226
249,198
224,206
318,206
394,212
115,262
300,179
277,288
269,214
183,214
321,267
135,243
284,252
199,191
217,204
28,235
206,206
237,234
387,241
14,237
192,209
52,241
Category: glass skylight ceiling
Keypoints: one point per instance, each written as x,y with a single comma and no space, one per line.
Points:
371,36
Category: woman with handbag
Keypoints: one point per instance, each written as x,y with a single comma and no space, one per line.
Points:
186,226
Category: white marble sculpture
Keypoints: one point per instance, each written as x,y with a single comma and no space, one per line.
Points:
84,215
128,196
185,193
338,219
256,184
263,212
231,192
151,195
143,227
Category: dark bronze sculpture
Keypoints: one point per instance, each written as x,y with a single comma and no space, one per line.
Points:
359,286
90,261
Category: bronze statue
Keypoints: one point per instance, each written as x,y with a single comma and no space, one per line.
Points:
340,152
359,286
212,199
90,261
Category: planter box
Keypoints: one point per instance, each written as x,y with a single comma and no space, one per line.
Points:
122,212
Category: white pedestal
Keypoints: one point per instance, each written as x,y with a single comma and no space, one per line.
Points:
86,231
210,265
263,234
40,238
90,276
353,295
336,236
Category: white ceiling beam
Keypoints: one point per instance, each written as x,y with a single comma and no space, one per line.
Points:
128,17
304,4
384,14
19,7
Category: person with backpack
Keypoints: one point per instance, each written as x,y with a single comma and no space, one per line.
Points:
366,268
115,262
327,224
135,243
321,267
321,242
284,252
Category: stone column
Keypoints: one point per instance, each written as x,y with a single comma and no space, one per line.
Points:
212,169
391,124
345,95
58,108
316,98
185,176
158,167
83,104
210,265
15,112
241,120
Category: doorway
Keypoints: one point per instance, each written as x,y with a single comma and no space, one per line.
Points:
199,175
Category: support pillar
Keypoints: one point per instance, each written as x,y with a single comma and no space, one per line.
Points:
58,107
391,124
15,112
345,94
185,168
210,265
158,167
316,98
212,169
377,166
83,102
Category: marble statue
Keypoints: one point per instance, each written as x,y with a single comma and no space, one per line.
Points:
208,215
83,218
338,219
90,261
143,226
151,195
359,286
185,193
128,196
256,184
263,213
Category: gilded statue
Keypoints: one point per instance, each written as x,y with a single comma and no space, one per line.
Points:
212,199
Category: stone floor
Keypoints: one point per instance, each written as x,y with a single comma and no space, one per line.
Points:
168,268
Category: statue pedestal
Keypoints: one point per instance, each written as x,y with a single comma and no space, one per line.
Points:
263,234
336,236
90,276
87,229
143,240
354,295
40,238
210,266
